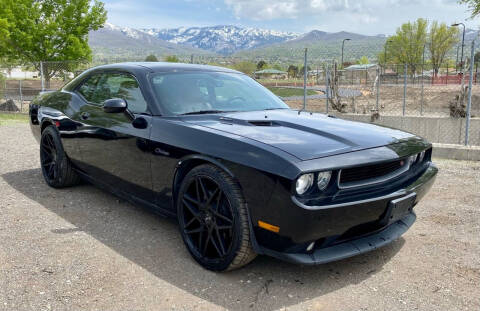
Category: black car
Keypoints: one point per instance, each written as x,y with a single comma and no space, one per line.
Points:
242,173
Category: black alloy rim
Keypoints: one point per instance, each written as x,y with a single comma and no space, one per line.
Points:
48,153
208,219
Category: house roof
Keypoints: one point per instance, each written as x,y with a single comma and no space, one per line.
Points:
270,71
361,67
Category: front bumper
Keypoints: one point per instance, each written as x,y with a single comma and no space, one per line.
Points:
349,248
339,230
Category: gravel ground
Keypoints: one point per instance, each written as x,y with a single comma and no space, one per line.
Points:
83,249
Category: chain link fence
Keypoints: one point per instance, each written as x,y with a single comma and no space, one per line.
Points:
431,102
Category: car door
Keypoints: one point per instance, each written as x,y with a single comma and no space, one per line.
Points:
114,150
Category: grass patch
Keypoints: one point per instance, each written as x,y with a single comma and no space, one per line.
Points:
9,118
288,92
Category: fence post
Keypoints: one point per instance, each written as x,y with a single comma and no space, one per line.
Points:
404,88
378,87
21,95
305,73
327,91
470,81
41,76
423,78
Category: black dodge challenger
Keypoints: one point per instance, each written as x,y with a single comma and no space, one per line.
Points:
242,173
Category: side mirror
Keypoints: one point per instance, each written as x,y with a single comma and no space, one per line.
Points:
114,105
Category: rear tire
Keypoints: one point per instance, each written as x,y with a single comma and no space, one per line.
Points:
213,219
57,169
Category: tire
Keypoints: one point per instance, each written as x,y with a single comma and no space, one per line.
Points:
57,169
213,219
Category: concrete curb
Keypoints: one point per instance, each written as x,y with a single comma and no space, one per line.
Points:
456,152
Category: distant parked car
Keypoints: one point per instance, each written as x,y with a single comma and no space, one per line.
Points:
242,173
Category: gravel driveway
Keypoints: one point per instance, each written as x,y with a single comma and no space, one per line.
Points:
83,249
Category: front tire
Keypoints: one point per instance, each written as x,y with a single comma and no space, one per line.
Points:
213,219
57,169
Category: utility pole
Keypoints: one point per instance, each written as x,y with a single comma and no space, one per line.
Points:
343,46
463,40
305,72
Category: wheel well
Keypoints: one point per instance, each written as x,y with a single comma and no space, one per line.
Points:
182,171
44,125
186,166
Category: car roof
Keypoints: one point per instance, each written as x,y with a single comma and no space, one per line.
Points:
165,67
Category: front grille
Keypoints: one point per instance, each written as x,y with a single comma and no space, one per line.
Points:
371,173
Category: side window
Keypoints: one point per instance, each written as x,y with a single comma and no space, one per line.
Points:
121,85
101,87
87,88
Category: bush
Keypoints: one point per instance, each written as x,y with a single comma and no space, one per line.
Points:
245,67
172,59
151,58
2,85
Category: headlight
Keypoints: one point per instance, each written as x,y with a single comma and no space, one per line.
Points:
304,183
323,180
421,156
411,160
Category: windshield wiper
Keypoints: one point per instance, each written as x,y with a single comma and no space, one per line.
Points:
205,112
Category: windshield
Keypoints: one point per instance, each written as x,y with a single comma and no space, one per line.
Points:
212,92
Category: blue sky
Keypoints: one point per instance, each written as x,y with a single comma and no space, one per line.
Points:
362,16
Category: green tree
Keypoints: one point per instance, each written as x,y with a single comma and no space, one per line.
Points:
301,72
32,31
151,58
172,59
363,61
473,6
277,67
441,39
261,65
245,67
476,57
292,71
406,46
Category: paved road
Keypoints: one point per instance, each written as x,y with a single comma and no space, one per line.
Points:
83,249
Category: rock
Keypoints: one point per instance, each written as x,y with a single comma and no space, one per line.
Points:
9,105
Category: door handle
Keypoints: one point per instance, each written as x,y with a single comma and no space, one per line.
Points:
85,115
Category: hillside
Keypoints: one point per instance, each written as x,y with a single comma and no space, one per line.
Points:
123,43
210,44
321,46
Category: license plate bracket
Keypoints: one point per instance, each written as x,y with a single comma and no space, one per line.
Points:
398,208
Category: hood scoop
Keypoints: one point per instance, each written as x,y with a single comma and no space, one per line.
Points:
262,123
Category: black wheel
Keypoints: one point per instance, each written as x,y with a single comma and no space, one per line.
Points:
213,219
56,167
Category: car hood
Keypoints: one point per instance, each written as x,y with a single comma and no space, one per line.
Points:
303,135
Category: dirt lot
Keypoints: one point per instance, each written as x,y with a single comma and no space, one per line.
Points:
83,249
436,100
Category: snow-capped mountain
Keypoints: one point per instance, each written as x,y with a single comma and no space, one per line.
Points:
123,43
225,39
129,32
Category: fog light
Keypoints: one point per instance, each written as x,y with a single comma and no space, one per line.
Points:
304,183
323,179
310,246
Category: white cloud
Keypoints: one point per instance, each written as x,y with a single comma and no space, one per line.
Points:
295,9
362,10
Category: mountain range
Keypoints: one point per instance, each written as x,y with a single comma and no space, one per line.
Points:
224,40
122,43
